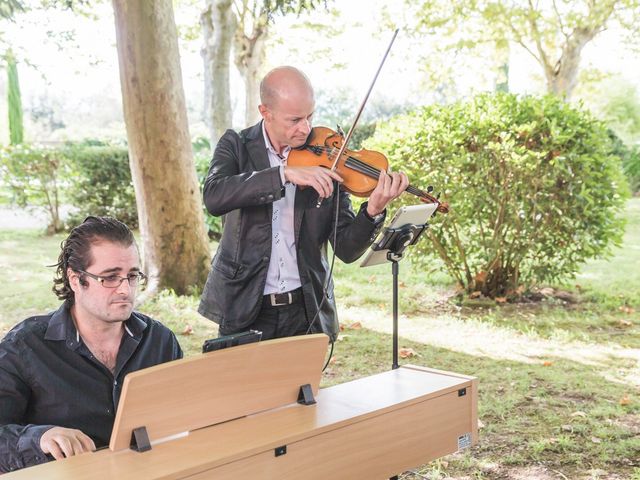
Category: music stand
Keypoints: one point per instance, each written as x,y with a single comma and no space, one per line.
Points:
404,230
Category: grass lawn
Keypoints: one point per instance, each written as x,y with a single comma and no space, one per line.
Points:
559,383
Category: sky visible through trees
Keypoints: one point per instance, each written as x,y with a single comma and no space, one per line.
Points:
76,77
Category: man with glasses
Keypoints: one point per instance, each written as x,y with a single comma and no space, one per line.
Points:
61,373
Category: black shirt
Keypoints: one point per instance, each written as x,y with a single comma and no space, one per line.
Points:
48,377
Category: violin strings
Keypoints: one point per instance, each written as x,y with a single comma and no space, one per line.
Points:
367,169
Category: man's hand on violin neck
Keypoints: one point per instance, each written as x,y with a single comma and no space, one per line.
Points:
320,178
390,186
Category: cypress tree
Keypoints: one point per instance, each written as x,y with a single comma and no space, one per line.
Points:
16,129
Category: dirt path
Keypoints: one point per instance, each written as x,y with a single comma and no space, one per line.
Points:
477,338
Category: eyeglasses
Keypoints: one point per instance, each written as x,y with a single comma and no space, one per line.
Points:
114,281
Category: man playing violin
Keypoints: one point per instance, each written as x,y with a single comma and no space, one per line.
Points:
270,271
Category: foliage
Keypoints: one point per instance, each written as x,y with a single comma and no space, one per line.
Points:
534,187
8,8
34,174
362,132
16,126
553,33
285,7
616,101
101,183
630,157
202,159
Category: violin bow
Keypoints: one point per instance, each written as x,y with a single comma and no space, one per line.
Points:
364,102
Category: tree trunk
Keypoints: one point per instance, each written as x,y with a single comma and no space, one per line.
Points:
218,26
249,58
502,78
176,250
563,77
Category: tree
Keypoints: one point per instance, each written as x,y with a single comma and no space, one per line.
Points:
34,176
9,7
245,25
535,184
553,33
218,26
16,126
176,250
249,52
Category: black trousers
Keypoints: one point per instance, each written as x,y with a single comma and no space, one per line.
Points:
280,321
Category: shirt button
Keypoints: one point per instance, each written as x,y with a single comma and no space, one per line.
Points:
262,199
270,197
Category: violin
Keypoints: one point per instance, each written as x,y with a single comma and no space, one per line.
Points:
360,169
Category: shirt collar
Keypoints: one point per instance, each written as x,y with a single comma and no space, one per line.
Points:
61,326
267,143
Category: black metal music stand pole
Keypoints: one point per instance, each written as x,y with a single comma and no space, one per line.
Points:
395,269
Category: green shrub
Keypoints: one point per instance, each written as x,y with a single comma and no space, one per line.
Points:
532,182
202,159
630,157
34,175
101,183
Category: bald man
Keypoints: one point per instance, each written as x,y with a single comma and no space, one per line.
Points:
270,270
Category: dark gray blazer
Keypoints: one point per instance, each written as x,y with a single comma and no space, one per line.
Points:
241,185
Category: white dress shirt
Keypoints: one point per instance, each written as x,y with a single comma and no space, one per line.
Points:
282,275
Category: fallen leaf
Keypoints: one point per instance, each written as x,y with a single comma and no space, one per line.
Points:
501,299
343,337
520,290
625,400
625,323
475,294
480,424
402,285
341,327
407,352
382,306
481,277
372,279
547,363
547,291
579,414
567,428
188,330
354,326
626,309
596,440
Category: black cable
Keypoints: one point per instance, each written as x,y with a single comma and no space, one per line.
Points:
330,355
336,192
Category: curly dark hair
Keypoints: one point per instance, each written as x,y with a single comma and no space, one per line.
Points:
76,250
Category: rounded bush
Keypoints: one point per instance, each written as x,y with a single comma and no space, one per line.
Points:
100,183
532,182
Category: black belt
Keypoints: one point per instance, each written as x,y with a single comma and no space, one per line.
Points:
282,299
